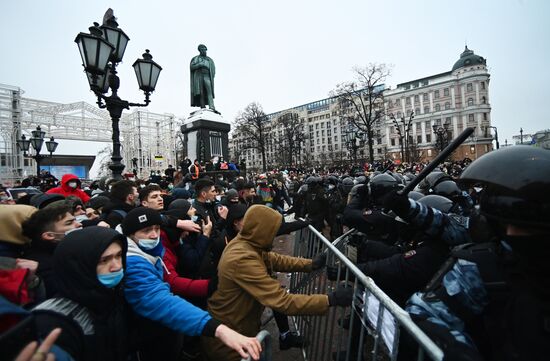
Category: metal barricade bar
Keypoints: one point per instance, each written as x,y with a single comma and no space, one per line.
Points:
373,318
267,349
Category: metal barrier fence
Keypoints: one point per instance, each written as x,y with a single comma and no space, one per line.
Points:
267,349
373,321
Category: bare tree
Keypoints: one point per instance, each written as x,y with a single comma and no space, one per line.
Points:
252,123
403,129
415,154
104,156
361,101
293,136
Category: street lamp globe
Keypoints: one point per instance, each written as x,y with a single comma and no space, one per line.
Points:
147,72
51,145
23,143
94,51
116,37
37,139
101,83
38,133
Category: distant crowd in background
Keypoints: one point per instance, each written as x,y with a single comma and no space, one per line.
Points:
179,266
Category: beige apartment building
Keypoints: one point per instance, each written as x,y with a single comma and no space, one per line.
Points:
443,105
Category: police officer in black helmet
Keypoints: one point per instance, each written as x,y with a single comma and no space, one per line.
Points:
516,198
514,319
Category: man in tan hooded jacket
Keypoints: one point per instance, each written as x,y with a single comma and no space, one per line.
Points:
245,284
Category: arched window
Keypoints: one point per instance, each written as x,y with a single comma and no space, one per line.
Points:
470,102
447,106
437,107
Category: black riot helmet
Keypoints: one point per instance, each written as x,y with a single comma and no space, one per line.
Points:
447,189
347,185
361,180
414,195
432,180
331,180
438,202
311,180
381,185
409,177
516,181
398,177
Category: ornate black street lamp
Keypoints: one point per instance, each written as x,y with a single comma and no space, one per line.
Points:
496,134
521,136
355,141
101,51
37,141
442,134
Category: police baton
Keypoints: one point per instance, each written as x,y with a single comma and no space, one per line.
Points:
438,160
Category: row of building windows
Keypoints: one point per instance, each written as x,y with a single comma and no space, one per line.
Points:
446,93
447,106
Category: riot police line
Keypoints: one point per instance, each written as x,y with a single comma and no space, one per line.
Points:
372,314
466,258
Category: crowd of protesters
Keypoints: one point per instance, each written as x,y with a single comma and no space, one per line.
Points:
179,266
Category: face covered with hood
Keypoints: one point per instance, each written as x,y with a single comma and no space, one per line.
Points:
260,225
79,259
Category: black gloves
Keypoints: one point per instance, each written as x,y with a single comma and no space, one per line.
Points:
341,297
399,203
319,261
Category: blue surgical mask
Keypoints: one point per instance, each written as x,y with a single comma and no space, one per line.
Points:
110,280
148,244
194,218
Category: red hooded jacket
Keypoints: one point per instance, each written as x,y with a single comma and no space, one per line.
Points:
181,286
66,191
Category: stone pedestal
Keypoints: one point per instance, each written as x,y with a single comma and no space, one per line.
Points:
205,135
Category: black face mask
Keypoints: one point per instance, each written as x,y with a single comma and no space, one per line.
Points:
532,259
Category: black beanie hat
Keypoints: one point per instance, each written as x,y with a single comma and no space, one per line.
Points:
231,193
140,218
180,204
98,202
236,211
43,199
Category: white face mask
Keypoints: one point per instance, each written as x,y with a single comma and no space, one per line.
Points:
72,184
218,198
63,234
148,244
330,187
194,218
81,218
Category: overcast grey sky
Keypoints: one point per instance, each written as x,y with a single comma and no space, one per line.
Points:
286,53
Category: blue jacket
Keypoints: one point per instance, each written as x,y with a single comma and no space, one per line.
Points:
150,296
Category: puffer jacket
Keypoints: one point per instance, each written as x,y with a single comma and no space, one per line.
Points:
245,284
66,191
150,296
